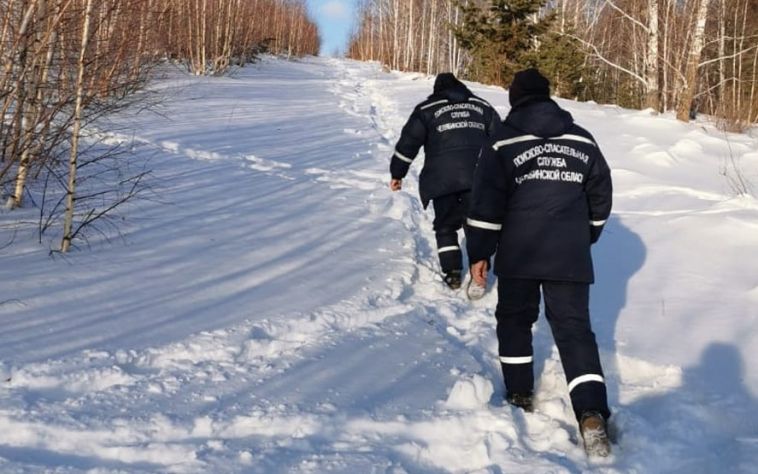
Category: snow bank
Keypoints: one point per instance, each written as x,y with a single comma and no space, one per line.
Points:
470,393
282,311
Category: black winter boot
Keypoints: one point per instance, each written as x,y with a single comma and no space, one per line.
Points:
453,279
525,401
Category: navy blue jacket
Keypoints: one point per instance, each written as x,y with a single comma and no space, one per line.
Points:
452,125
542,193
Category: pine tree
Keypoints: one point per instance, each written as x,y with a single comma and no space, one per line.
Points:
561,59
502,37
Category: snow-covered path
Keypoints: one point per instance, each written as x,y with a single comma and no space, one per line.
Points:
283,312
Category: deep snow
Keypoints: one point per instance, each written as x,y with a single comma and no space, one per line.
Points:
281,310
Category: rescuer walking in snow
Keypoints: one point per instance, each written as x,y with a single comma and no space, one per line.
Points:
542,194
452,125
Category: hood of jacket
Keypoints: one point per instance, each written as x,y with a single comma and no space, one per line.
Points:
540,117
447,86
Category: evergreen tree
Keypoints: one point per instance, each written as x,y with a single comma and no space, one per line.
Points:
502,37
561,59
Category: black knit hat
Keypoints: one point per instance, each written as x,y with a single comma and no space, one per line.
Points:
528,84
445,80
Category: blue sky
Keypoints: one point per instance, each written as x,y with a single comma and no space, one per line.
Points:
335,19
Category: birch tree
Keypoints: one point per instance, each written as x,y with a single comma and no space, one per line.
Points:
651,57
73,155
689,84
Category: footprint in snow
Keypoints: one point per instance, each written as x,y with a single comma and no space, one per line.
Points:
270,167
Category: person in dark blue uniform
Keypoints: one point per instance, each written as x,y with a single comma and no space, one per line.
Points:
541,196
452,125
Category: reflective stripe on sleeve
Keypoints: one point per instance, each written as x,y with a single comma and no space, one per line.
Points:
516,360
583,379
451,248
597,223
403,157
483,224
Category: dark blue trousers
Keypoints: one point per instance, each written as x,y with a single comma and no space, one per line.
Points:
567,311
449,216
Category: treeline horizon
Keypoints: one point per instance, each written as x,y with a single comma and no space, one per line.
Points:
690,56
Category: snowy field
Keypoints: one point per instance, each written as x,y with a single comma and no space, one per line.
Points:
281,310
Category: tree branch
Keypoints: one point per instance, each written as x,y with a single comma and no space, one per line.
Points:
603,58
740,53
92,216
628,16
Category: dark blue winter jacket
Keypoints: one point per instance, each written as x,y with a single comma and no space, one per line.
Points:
542,193
452,124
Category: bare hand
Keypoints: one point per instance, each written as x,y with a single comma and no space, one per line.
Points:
396,184
479,272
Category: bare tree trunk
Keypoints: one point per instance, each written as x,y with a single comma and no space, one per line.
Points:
753,87
457,56
203,41
371,40
430,62
722,53
409,38
651,58
422,45
395,39
72,162
381,33
665,56
735,48
693,59
18,59
738,105
29,109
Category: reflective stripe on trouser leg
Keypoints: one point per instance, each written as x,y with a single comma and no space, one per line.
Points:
448,218
449,250
567,311
517,310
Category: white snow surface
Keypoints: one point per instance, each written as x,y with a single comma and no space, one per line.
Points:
280,310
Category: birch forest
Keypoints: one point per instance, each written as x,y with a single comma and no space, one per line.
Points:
67,62
687,56
410,35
